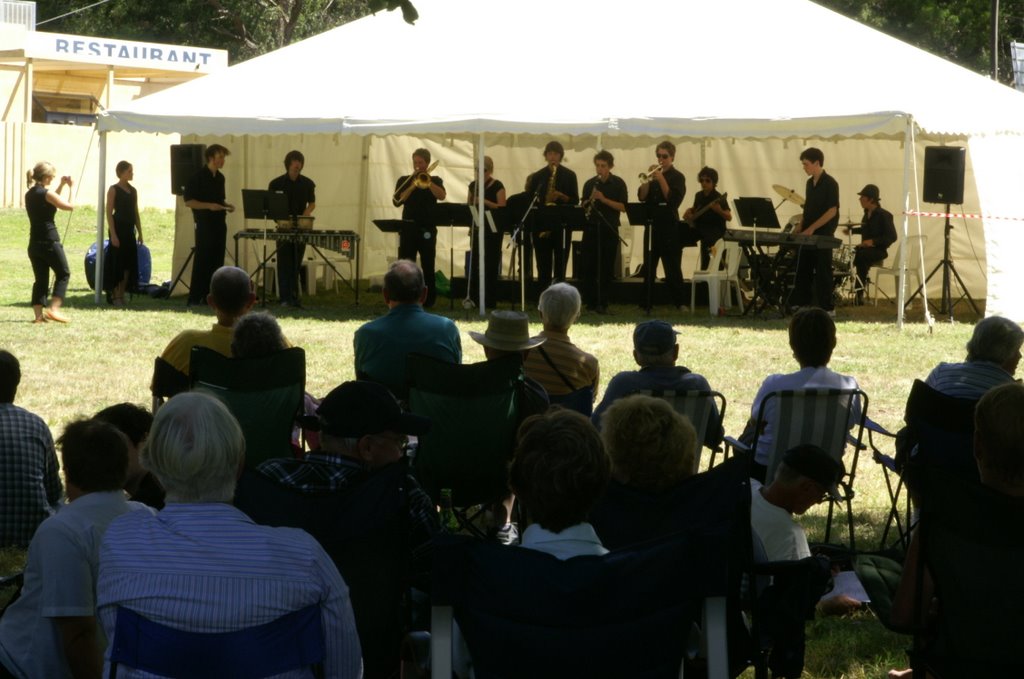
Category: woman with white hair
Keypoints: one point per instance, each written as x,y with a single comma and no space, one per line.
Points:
569,374
993,353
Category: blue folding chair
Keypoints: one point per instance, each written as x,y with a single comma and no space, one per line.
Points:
293,641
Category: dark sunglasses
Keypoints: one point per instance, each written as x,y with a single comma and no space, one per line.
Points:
662,155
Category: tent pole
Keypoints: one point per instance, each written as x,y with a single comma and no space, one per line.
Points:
100,213
364,180
909,155
480,188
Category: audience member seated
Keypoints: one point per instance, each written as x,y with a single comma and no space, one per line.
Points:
50,630
559,365
806,476
812,337
255,335
560,469
653,449
362,430
231,296
30,488
999,453
135,422
508,332
656,351
382,344
200,564
993,353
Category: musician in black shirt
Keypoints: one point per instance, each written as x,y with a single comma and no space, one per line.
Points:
417,203
877,233
553,184
604,197
711,224
301,193
665,185
813,285
494,197
205,194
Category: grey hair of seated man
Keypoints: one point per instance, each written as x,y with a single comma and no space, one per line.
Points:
996,339
195,449
256,334
559,307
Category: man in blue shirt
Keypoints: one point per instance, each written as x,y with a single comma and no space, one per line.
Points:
382,344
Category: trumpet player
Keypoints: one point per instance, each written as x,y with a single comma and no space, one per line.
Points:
604,200
665,184
417,194
553,184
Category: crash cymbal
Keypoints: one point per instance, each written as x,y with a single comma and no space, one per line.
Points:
789,194
849,224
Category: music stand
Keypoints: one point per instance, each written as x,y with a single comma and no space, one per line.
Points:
521,204
265,205
562,219
451,215
756,212
486,223
647,215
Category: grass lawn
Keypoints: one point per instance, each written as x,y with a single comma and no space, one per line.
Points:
105,355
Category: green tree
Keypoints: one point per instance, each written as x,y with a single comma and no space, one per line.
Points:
958,30
246,28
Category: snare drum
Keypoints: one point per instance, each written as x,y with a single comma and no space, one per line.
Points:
842,259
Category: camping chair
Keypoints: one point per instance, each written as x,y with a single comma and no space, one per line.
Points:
167,381
474,415
706,412
365,529
718,279
630,613
827,418
972,544
264,394
293,641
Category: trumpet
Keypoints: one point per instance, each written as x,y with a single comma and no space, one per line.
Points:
420,180
649,175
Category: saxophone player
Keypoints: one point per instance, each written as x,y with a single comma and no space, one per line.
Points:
417,197
604,198
665,184
553,184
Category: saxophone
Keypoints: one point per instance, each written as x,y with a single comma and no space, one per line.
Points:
550,198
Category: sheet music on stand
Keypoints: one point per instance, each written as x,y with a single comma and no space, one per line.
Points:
488,218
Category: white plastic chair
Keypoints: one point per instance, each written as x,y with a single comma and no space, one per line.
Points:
915,267
717,279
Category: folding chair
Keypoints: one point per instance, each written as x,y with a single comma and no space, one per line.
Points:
915,267
294,641
827,418
365,529
474,414
706,411
972,544
630,613
580,400
264,394
167,381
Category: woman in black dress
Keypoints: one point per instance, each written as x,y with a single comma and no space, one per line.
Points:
122,220
44,248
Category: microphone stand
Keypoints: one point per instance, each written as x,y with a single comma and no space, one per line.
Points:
517,235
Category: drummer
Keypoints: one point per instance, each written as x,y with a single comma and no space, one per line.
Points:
877,233
301,193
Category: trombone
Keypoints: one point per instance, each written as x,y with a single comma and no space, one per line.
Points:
420,180
649,175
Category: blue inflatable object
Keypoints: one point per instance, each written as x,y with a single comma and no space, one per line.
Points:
145,264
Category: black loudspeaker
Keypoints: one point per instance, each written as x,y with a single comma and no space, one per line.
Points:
186,159
944,174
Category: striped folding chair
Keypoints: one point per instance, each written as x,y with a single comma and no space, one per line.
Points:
706,412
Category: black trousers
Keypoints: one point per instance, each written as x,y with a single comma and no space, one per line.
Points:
666,247
865,258
600,245
814,283
289,260
492,265
549,249
421,241
46,255
209,256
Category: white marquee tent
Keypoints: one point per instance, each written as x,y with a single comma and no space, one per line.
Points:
742,85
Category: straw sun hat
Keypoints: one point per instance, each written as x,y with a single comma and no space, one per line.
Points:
507,331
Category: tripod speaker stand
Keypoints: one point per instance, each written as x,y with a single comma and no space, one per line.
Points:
946,304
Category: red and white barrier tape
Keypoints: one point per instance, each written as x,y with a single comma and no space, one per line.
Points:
961,215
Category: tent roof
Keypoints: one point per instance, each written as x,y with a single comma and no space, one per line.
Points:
731,68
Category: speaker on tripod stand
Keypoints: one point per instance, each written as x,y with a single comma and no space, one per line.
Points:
944,168
186,160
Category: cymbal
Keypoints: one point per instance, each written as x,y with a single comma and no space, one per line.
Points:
789,194
849,224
